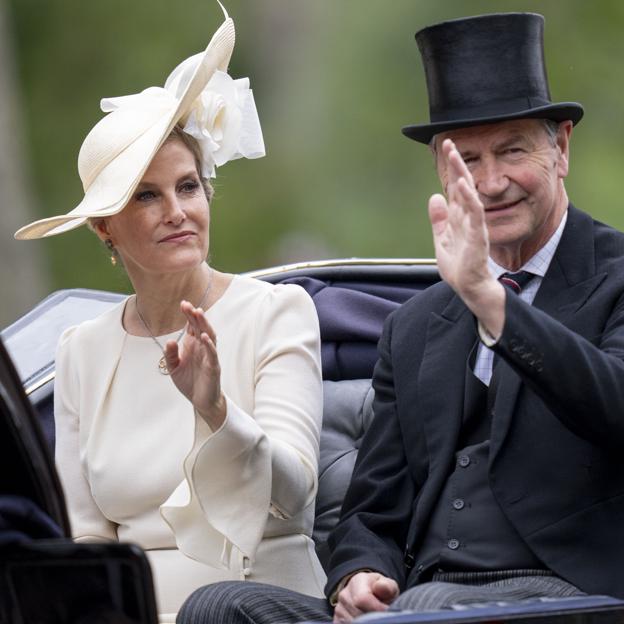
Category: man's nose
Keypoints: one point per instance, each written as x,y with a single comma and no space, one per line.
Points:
490,178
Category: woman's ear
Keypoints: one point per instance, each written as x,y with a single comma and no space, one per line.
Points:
100,227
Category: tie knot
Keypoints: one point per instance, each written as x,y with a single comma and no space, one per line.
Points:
516,281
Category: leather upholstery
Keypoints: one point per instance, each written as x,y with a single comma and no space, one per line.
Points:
347,413
352,303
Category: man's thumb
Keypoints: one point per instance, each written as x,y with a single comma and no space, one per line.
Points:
385,589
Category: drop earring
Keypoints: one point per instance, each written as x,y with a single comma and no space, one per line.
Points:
109,245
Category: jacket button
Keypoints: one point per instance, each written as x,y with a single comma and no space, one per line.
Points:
463,460
453,544
458,504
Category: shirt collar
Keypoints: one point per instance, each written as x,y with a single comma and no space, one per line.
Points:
538,264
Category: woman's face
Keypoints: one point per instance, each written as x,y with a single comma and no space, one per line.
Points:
164,226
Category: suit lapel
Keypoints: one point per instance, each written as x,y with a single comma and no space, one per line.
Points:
571,278
450,337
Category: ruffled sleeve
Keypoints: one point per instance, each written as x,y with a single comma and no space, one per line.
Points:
263,462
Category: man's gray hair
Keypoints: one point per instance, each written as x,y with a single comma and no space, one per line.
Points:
551,127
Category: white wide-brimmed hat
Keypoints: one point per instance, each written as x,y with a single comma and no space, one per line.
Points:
199,95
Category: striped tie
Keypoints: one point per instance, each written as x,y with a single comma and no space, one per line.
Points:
516,281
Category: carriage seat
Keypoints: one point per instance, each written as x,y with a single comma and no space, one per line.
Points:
352,303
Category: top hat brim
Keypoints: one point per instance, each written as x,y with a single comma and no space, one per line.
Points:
559,112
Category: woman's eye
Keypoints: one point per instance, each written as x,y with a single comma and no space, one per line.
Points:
189,187
145,196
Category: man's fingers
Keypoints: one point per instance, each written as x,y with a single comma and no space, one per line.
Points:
472,203
460,167
367,602
341,616
453,169
459,180
346,609
360,596
457,164
386,589
438,213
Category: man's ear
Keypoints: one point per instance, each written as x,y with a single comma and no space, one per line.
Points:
562,143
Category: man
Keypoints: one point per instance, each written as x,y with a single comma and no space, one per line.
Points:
492,469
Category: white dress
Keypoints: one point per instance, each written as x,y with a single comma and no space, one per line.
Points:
138,465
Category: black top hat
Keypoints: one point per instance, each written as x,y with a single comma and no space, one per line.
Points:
486,69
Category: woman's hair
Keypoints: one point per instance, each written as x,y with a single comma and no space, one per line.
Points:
177,134
190,142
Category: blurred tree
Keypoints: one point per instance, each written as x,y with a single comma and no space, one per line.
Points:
19,264
334,81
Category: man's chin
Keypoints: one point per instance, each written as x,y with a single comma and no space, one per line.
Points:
506,235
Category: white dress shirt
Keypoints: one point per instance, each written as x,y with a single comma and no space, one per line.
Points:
538,265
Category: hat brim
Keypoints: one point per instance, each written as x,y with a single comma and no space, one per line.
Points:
130,166
563,111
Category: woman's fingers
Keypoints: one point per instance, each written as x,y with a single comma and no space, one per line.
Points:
211,350
172,355
197,321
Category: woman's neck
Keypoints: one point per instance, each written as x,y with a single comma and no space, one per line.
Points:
156,307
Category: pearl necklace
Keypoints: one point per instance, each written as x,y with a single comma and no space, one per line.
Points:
162,363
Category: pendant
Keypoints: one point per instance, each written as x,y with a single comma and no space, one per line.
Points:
162,366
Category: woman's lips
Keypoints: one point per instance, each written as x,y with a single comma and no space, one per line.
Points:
178,237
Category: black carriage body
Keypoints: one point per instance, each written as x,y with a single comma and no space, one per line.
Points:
58,581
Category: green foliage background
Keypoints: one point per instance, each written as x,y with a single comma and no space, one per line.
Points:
334,80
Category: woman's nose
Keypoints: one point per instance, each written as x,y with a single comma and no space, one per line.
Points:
174,212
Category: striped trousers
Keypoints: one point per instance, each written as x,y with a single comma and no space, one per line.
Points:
240,602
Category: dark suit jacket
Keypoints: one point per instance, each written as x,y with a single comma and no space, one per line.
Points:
556,465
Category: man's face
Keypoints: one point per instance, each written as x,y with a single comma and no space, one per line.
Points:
518,171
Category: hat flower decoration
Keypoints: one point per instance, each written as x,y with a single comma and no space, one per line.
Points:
198,95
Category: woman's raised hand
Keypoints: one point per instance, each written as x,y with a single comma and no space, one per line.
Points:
194,366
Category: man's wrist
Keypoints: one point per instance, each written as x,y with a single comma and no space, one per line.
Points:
344,581
487,303
484,335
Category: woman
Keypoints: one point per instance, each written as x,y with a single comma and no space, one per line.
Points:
188,416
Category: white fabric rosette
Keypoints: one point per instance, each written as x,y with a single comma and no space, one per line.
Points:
223,117
224,120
